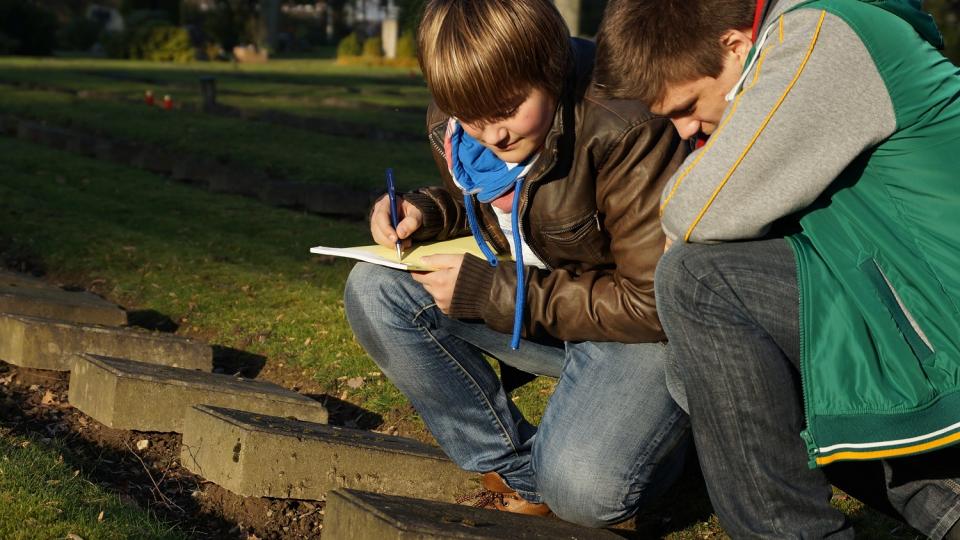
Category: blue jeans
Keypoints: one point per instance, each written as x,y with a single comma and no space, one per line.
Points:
731,312
610,440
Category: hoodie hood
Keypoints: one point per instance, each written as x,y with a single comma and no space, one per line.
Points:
910,11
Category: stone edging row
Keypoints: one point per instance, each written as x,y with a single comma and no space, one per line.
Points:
318,198
324,126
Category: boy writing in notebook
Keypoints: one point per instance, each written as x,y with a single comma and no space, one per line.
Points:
538,168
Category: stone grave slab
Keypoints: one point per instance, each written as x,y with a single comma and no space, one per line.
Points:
36,343
358,515
19,279
124,394
19,297
263,456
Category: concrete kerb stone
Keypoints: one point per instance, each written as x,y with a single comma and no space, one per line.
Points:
262,456
53,303
237,181
125,394
83,145
336,200
333,200
194,170
30,131
8,125
358,515
36,343
154,160
19,279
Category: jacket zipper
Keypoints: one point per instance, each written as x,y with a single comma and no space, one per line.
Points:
807,437
524,197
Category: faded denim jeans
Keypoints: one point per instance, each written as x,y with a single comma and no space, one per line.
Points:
731,312
611,438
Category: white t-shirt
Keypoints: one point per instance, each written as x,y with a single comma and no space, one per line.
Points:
505,220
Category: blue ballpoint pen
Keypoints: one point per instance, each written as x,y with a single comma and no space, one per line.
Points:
394,217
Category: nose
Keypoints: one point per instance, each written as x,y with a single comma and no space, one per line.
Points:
687,127
494,134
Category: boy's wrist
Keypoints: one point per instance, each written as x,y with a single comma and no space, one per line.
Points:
472,291
432,216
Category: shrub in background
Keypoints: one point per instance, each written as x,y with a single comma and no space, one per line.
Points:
161,43
27,27
373,48
349,46
407,46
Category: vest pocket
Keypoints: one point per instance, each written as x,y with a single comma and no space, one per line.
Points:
893,301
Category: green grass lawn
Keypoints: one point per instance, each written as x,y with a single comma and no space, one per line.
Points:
41,497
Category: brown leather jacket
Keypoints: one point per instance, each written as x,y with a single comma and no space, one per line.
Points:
589,209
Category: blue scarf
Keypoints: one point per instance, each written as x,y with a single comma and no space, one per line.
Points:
479,171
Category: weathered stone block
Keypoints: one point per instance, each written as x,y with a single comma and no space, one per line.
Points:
46,344
263,456
358,515
54,303
125,394
19,279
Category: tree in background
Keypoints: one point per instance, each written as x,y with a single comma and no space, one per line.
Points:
169,7
947,14
26,27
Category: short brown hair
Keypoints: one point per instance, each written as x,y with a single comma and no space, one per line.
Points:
482,58
644,45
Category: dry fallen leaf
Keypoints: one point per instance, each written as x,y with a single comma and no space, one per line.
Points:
355,382
100,517
48,398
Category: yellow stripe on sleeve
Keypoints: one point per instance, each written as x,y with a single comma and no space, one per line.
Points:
756,135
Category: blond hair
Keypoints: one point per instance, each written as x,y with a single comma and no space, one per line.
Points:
482,58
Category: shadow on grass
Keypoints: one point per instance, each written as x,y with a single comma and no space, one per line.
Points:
150,319
237,362
346,414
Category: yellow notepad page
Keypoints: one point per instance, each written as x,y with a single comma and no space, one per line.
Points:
410,262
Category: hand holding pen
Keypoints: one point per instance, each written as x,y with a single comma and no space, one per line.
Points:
382,229
394,211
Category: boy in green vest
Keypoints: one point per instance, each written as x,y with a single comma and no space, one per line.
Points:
811,297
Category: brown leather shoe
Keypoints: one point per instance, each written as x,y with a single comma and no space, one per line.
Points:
498,495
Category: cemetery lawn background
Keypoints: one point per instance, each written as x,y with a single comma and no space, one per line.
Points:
225,269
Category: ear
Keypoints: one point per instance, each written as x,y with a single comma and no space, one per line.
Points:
737,43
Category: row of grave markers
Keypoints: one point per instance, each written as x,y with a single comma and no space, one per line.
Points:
251,437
